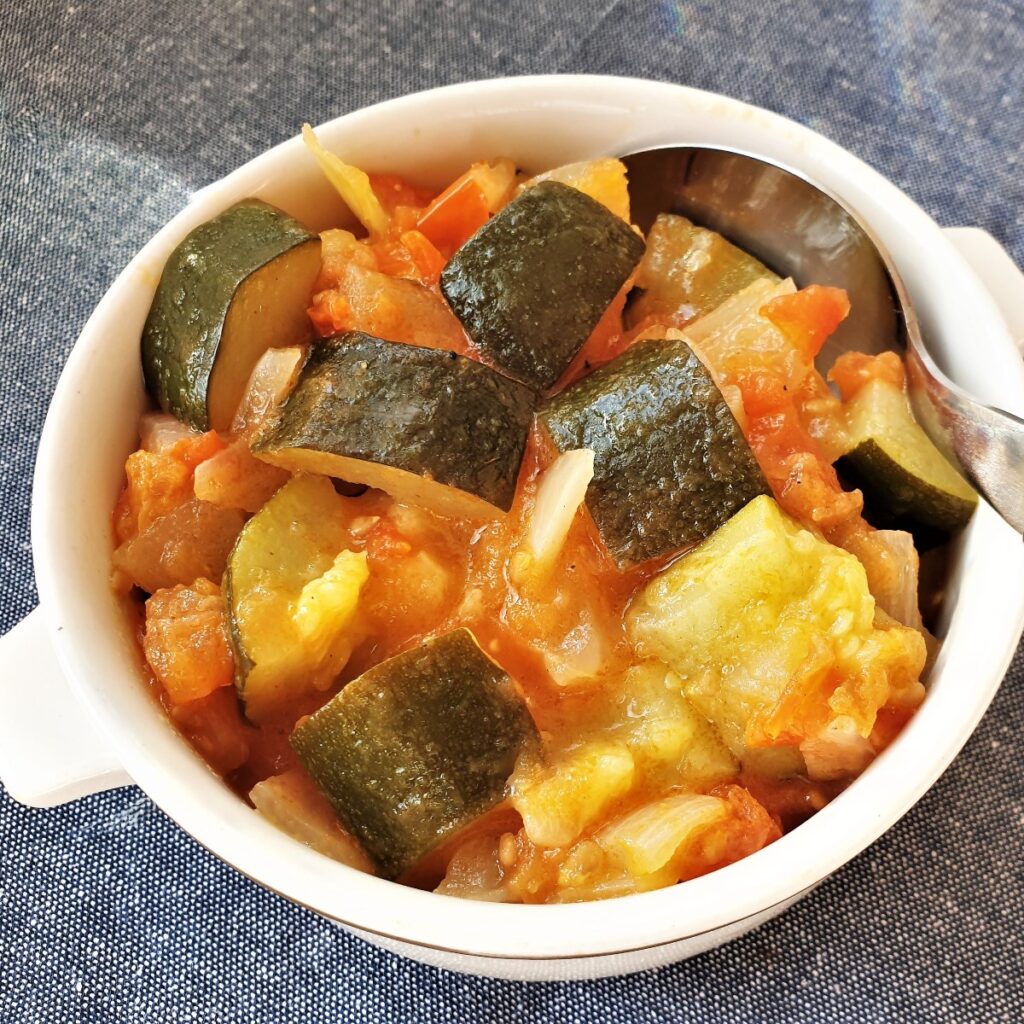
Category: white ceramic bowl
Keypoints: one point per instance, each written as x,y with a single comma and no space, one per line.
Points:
50,752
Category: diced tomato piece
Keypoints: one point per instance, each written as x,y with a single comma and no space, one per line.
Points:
394,191
425,256
748,829
394,260
190,451
801,477
803,708
410,254
606,340
124,518
395,309
384,540
404,219
852,370
888,725
330,313
158,482
186,640
809,316
215,727
455,215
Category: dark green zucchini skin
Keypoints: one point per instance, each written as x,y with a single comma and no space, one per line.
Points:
417,747
426,411
671,464
532,283
182,334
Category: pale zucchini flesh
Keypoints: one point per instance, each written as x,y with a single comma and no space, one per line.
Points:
894,461
430,427
687,272
236,285
293,541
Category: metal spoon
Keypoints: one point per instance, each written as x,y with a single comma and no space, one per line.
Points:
800,230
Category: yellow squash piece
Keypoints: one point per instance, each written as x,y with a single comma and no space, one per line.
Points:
648,739
672,744
574,792
775,635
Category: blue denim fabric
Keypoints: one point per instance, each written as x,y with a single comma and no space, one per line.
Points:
111,115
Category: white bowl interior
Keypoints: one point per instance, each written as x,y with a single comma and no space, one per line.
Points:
429,137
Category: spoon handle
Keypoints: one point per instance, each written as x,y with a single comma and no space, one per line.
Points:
987,442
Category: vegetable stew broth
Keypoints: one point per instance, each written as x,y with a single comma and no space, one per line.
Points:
444,621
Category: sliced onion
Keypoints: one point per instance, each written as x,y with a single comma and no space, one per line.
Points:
745,304
474,872
235,478
561,491
271,379
352,184
897,591
646,839
159,431
292,803
837,752
581,655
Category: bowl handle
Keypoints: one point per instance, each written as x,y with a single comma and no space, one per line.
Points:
51,752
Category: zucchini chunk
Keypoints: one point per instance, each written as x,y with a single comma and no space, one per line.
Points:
292,593
417,747
532,283
236,286
893,460
430,427
687,271
670,462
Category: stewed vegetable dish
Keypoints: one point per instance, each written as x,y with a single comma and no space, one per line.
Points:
500,550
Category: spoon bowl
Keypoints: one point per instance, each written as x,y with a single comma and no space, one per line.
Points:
801,230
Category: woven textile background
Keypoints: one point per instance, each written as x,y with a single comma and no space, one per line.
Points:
110,114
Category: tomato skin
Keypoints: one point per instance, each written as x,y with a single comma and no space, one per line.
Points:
394,191
455,215
749,828
809,316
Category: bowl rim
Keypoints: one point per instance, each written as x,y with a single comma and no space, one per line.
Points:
502,931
